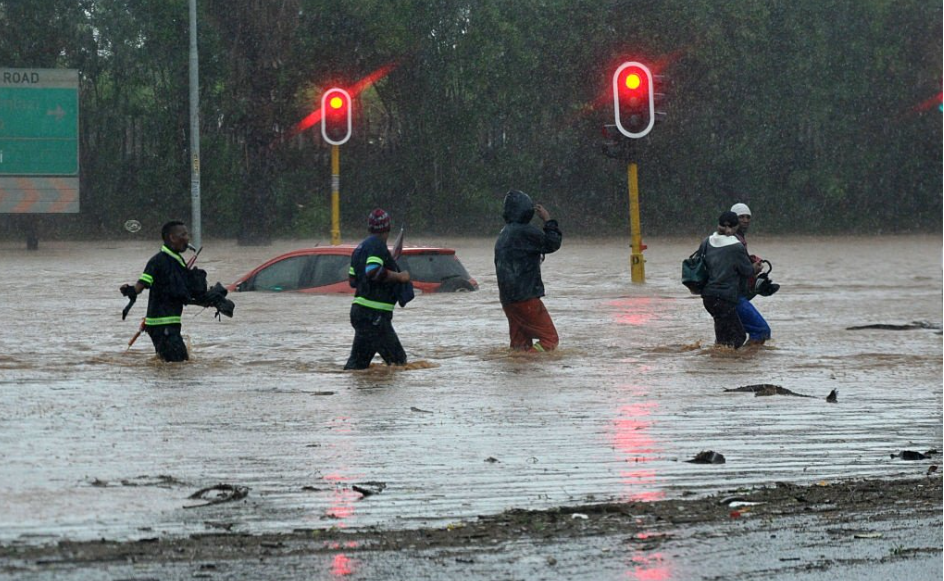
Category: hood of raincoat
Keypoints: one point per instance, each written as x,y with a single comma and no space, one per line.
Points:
518,208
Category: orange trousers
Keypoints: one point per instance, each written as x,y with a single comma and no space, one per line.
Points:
529,320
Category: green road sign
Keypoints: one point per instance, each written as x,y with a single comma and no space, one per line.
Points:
39,122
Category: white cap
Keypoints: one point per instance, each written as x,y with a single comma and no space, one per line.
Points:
741,209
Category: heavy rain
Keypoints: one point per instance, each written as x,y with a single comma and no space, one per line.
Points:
637,449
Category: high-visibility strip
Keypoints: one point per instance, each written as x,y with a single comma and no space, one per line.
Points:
351,272
176,256
157,321
373,304
375,260
539,347
146,278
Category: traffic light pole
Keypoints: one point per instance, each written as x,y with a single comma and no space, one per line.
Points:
637,264
335,195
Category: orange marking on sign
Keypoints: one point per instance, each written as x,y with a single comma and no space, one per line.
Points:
66,196
31,197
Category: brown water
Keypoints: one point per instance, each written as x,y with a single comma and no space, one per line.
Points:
97,440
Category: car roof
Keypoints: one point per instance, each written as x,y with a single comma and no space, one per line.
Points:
348,249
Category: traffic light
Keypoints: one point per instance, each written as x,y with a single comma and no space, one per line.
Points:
614,145
634,99
336,116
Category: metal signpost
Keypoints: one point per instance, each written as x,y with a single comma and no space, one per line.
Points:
39,141
196,228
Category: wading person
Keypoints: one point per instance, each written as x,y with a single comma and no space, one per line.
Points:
374,274
519,251
729,269
758,331
171,286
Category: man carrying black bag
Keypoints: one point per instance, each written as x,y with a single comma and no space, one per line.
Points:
172,285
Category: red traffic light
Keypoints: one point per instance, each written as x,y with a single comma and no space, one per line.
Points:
336,116
633,103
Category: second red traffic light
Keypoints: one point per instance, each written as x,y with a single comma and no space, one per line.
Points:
633,99
336,116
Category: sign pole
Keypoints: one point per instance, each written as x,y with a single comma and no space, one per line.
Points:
335,195
637,264
195,227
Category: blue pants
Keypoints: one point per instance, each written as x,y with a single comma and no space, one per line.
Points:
755,325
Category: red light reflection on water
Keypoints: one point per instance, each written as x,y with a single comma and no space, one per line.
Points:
341,565
343,497
650,568
632,439
634,311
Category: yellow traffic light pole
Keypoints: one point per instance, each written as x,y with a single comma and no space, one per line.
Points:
637,264
335,195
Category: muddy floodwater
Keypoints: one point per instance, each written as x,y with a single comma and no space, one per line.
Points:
97,440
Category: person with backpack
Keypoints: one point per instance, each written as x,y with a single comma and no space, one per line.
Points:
729,269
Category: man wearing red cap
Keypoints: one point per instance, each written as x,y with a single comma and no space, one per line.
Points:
374,275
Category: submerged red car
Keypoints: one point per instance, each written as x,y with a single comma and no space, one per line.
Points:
324,269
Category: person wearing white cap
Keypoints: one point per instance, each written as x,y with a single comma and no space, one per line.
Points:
758,330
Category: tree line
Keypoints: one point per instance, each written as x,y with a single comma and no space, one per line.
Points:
820,114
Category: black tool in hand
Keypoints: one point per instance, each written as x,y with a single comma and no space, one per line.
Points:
129,291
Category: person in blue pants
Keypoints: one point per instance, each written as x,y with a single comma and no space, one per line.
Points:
758,331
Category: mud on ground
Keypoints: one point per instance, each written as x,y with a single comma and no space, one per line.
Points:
845,512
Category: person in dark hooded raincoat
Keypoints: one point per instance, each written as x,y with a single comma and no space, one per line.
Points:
519,251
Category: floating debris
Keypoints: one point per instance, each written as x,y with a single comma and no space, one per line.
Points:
762,389
492,460
888,327
833,396
911,455
225,493
707,457
369,488
159,481
419,411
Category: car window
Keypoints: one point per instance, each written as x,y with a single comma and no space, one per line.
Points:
433,267
282,276
327,269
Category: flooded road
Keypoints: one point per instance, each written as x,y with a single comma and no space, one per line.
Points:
100,441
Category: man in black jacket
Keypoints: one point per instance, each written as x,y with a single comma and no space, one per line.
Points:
519,251
171,286
729,268
374,275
